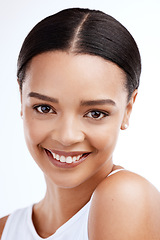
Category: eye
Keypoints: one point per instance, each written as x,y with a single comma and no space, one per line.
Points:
95,114
44,109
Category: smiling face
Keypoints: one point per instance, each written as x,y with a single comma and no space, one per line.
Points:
73,107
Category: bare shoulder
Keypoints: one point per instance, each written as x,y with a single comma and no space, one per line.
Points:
2,224
125,206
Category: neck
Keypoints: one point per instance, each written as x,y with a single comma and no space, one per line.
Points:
60,204
65,202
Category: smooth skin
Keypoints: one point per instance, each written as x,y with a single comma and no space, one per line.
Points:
77,104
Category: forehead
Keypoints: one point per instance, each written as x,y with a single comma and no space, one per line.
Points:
81,74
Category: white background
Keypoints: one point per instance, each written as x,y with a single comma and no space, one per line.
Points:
138,148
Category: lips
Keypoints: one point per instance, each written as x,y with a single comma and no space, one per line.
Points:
66,158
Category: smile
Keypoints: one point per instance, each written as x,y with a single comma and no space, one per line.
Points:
72,158
68,159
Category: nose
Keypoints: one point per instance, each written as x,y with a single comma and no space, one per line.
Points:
68,132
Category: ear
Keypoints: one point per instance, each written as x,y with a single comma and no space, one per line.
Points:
128,110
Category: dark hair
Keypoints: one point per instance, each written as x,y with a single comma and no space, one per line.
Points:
83,31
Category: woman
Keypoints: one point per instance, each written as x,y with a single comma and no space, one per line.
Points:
78,73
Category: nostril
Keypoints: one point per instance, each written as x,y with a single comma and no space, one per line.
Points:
69,139
67,131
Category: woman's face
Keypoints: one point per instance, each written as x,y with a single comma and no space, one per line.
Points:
73,107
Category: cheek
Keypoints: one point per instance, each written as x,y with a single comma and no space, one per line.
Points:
34,132
103,138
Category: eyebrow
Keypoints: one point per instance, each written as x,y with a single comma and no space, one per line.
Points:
83,103
42,97
98,102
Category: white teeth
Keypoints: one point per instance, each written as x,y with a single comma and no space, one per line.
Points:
68,159
74,158
78,157
62,159
57,156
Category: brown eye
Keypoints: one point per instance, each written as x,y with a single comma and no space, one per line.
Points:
44,109
95,114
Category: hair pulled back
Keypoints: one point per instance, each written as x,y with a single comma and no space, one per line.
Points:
83,31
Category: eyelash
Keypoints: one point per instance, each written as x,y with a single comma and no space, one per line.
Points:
45,106
87,115
105,114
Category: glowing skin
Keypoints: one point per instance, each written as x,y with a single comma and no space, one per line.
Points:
73,107
58,103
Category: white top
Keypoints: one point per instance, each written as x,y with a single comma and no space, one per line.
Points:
19,225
